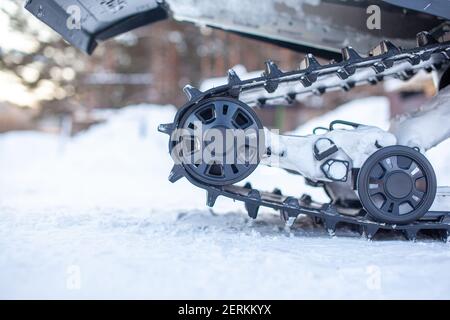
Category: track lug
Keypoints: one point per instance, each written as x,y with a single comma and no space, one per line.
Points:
389,47
410,234
277,192
331,232
310,63
370,231
330,221
290,222
385,48
261,102
272,70
248,185
166,128
290,97
307,81
350,54
306,199
424,38
446,236
342,74
211,197
425,56
406,75
387,63
290,207
233,78
330,226
233,82
320,91
414,60
251,206
348,85
191,92
373,81
378,67
176,173
271,86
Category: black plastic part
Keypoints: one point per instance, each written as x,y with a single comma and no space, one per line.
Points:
52,13
211,197
233,78
252,205
272,72
397,185
326,166
166,128
277,192
192,93
310,63
290,208
424,38
326,153
370,230
248,185
350,54
411,234
176,173
331,218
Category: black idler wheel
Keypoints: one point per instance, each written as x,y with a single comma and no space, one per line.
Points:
397,185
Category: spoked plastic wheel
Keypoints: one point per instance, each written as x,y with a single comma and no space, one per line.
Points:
397,185
220,141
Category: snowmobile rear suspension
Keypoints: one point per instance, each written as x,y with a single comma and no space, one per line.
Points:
393,188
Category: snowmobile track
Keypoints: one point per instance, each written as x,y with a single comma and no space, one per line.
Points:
330,216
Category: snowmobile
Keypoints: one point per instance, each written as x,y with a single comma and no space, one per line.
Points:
376,180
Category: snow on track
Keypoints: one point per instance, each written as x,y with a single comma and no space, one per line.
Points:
98,208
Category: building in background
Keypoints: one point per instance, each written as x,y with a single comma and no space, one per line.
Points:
48,81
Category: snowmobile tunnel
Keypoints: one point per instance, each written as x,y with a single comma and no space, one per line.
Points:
301,25
84,23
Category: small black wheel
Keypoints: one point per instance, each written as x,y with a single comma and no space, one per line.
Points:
397,185
239,130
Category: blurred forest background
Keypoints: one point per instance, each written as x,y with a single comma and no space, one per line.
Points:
44,81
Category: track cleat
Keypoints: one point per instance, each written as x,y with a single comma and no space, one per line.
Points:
176,173
290,206
424,38
411,234
370,231
192,93
350,54
233,78
211,197
166,128
251,206
290,222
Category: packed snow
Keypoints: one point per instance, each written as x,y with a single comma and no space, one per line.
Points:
94,217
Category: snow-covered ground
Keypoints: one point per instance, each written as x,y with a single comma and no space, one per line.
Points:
95,217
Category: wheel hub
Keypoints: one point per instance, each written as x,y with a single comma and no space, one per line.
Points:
399,185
